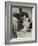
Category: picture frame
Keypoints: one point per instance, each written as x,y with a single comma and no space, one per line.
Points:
9,5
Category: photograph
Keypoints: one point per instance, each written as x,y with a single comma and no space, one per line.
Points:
21,22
